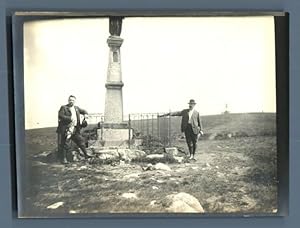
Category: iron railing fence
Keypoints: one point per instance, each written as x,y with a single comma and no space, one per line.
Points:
147,126
152,127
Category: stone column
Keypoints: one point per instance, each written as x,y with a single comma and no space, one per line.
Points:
113,100
114,131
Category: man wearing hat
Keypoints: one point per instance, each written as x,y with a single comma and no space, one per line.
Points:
69,127
191,126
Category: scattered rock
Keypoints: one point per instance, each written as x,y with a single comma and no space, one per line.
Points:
162,166
122,162
220,175
171,151
132,176
108,154
236,171
129,195
43,154
38,163
84,167
213,199
182,203
181,169
128,154
243,190
152,156
148,167
228,208
247,201
55,205
212,136
153,202
179,159
48,156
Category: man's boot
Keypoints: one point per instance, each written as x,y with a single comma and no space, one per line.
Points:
64,157
194,151
86,155
190,151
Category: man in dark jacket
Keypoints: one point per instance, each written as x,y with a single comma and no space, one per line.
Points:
69,128
191,126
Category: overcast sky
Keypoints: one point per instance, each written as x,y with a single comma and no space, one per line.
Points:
165,62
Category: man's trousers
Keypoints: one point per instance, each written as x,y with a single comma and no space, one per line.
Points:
191,139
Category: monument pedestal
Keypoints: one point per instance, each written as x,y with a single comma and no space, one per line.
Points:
115,135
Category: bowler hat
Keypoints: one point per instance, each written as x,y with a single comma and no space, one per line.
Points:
84,123
192,101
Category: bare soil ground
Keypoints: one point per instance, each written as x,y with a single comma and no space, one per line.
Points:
229,176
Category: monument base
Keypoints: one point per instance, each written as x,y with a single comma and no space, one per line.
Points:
114,135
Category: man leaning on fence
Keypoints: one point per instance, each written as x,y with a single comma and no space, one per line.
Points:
191,126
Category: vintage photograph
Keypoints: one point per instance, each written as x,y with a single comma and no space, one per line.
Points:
149,115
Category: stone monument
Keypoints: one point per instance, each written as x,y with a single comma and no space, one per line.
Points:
114,131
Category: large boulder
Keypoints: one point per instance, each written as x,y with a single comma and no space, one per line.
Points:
182,203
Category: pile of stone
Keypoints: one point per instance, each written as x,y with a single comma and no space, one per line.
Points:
109,155
106,155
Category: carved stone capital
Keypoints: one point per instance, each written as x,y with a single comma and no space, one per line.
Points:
114,41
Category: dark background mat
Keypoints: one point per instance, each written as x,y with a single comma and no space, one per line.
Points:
8,215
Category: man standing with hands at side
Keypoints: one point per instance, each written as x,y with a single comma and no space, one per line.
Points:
191,126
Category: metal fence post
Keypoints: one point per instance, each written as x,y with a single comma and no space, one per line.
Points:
158,130
169,129
147,116
102,127
142,120
129,133
152,123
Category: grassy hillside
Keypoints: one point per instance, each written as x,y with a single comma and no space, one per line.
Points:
253,124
